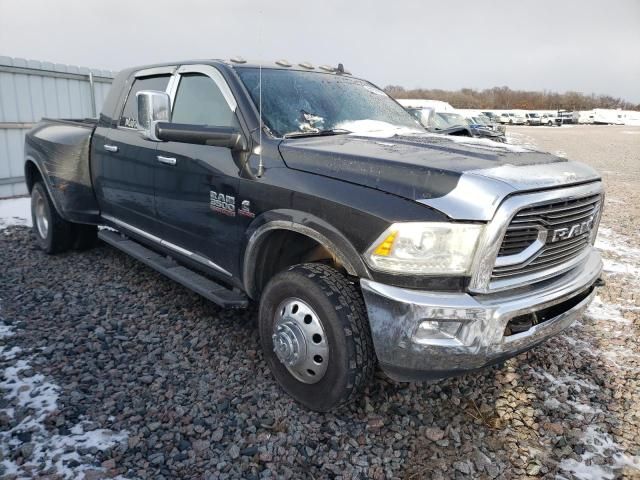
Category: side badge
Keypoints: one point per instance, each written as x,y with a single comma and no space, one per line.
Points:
245,209
220,203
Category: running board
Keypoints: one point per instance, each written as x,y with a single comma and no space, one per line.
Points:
192,280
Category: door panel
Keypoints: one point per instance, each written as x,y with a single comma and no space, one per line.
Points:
184,200
128,162
196,197
128,179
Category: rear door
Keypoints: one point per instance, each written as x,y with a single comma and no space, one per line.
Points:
196,185
128,171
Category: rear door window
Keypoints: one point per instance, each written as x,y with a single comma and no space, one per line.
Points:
129,117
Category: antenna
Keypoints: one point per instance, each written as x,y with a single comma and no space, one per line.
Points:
260,163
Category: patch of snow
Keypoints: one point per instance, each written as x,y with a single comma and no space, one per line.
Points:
581,344
599,444
9,354
379,129
515,138
5,330
627,255
36,398
615,268
552,403
15,211
564,380
608,240
375,128
583,407
486,144
598,310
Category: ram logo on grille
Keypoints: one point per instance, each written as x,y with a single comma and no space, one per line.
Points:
565,233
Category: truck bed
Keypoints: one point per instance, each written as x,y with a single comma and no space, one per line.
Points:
60,150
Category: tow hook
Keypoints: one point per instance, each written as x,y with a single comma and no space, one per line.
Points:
599,283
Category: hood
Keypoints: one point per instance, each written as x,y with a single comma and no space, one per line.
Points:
428,167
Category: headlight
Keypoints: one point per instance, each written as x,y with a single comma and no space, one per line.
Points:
425,248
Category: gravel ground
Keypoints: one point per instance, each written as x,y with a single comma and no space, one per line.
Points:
111,370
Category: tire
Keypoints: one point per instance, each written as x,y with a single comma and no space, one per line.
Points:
53,233
84,236
337,306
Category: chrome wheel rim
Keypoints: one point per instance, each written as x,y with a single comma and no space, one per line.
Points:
40,210
300,341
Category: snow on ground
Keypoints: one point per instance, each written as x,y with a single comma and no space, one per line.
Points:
520,139
15,211
27,447
626,257
28,399
604,316
602,445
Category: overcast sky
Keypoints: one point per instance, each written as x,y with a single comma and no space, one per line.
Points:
583,45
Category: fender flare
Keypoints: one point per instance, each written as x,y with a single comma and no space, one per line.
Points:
313,227
45,179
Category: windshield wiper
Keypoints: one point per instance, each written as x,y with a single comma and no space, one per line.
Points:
317,133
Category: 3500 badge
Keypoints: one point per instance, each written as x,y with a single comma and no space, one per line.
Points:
221,203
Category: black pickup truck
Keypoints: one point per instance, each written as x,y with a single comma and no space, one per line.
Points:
366,240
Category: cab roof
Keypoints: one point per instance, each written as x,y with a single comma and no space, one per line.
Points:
239,62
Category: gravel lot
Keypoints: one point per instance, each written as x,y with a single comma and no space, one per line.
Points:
110,369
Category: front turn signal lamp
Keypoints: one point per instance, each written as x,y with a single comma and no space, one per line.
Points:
425,248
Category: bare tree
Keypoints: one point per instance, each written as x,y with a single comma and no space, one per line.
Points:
504,97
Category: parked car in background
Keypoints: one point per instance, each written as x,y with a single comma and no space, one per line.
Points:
532,118
513,118
565,117
548,119
504,118
483,120
518,118
494,117
451,123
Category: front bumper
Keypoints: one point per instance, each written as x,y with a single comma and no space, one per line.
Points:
405,352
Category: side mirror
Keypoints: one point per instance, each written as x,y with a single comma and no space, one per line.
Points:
226,137
153,107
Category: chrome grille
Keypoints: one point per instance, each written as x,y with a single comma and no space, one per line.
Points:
525,227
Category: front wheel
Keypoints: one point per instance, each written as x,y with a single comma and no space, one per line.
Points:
315,336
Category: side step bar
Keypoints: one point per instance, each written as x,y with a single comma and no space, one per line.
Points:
192,280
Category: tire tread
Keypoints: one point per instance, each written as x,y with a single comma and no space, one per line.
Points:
345,294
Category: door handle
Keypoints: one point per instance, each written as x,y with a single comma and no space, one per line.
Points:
110,148
166,160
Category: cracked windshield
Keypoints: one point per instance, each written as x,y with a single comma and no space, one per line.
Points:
297,103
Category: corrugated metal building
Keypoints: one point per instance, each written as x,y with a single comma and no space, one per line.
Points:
30,90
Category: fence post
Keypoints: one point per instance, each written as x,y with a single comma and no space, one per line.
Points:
93,95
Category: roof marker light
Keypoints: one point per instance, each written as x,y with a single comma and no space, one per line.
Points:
283,63
238,60
306,65
327,68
